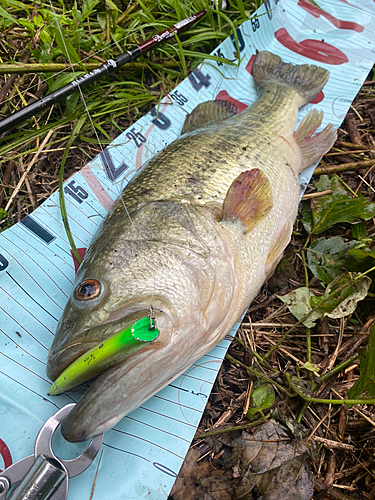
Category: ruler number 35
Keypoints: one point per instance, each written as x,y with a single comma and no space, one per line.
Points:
178,97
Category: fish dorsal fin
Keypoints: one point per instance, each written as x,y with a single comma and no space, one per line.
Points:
313,147
249,199
207,113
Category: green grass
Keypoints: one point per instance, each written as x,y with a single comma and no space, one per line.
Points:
104,30
87,33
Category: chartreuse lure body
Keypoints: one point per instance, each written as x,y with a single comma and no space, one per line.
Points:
105,354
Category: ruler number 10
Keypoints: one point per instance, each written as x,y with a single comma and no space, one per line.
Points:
76,191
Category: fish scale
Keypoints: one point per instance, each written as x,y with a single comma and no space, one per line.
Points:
169,178
210,218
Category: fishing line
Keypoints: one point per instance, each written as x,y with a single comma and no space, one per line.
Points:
70,88
83,99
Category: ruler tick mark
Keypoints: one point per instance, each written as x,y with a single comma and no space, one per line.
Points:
30,296
37,229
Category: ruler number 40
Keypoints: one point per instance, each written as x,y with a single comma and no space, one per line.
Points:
199,80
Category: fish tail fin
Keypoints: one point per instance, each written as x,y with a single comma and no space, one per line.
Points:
313,147
307,79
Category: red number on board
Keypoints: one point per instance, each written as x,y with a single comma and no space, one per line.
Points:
81,253
5,454
249,65
318,98
313,49
224,96
317,12
351,5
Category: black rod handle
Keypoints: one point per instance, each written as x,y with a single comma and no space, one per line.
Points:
109,66
60,94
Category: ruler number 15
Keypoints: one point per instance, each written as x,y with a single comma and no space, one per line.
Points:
76,191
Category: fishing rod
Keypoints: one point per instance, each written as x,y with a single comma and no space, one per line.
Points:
108,67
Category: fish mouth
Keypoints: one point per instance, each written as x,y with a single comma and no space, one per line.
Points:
75,430
59,361
107,353
115,391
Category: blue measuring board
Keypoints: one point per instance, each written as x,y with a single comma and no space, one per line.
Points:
144,452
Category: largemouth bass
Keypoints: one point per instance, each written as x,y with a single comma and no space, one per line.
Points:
210,217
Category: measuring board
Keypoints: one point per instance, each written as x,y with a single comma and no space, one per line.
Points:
144,452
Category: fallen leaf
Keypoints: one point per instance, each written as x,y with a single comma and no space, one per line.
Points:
359,230
345,302
325,257
329,210
311,367
265,463
292,481
298,302
302,300
366,382
262,398
328,257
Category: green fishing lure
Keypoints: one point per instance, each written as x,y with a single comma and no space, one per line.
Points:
105,354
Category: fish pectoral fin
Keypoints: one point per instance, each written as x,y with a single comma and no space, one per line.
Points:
249,199
278,248
314,147
208,113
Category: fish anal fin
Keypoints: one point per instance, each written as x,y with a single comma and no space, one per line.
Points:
249,199
313,147
209,112
277,250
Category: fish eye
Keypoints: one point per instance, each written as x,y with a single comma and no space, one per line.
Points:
88,289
